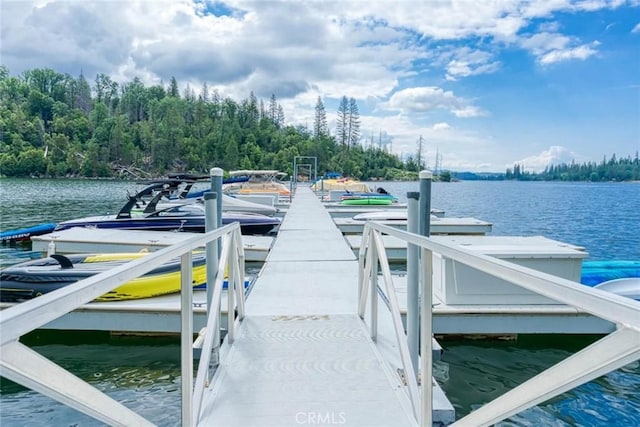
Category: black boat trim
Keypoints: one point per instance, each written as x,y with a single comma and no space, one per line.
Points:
65,263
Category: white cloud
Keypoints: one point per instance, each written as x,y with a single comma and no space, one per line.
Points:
580,52
636,29
554,47
469,111
441,126
426,99
470,62
554,155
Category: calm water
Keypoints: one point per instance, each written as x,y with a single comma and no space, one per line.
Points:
144,373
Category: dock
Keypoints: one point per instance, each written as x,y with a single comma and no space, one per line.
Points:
438,225
302,352
162,314
310,345
94,240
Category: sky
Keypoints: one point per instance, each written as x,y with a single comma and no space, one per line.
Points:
484,84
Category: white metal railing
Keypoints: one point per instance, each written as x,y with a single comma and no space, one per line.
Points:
28,368
613,351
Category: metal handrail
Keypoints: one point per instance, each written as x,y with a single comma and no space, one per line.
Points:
233,256
609,353
372,253
28,368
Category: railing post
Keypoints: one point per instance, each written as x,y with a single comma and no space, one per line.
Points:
212,255
426,345
374,289
216,187
210,223
426,259
231,289
413,278
425,202
186,337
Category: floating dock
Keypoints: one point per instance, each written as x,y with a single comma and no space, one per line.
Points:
162,314
438,225
98,240
301,351
344,211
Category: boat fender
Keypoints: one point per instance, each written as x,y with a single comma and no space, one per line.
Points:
65,263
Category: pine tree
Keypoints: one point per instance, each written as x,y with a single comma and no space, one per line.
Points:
354,123
83,95
320,127
204,93
280,117
273,108
342,122
173,88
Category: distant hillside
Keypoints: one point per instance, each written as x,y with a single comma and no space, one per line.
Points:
477,176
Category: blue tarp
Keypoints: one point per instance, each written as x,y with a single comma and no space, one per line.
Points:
595,272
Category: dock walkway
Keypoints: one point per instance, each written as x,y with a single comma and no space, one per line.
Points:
302,355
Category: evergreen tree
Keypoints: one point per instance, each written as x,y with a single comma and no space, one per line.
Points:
342,122
320,126
272,114
204,93
173,88
354,123
83,95
280,117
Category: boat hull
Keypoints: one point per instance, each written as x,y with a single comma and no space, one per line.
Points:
249,224
367,201
628,287
24,234
34,278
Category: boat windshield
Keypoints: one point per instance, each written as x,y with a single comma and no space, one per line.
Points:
192,209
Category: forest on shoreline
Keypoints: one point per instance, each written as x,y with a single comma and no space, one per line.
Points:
55,125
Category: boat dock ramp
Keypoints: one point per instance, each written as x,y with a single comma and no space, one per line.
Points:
302,352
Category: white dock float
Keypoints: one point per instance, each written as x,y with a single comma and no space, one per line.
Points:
302,355
396,248
349,211
506,319
92,240
456,226
157,315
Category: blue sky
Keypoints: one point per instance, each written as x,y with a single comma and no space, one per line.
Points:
485,83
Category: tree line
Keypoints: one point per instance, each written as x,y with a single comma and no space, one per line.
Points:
55,125
613,169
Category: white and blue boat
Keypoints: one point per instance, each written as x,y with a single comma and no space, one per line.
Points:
24,234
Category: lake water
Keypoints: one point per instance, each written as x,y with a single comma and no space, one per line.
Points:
144,373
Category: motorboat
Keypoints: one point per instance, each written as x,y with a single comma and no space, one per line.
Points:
24,234
340,184
627,287
181,191
257,181
178,217
382,215
359,201
33,278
